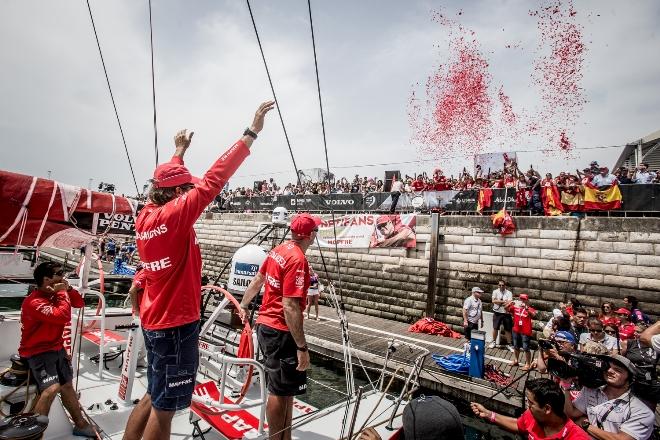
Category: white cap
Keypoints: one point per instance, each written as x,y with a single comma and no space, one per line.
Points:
477,289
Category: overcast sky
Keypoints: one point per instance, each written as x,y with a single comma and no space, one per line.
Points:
56,114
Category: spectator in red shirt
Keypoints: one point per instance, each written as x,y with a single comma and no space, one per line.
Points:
626,327
522,329
417,184
607,315
280,333
44,314
170,307
544,419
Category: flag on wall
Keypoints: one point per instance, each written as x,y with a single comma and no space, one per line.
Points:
605,200
551,200
573,201
503,222
485,199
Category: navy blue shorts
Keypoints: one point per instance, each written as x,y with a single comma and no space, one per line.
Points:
50,368
173,358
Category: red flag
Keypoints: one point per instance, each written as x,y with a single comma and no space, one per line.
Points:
485,199
551,198
503,222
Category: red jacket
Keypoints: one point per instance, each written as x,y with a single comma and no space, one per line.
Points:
168,247
43,318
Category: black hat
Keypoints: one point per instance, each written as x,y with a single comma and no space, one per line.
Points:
430,418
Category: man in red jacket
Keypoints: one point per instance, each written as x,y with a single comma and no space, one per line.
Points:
170,306
44,314
280,324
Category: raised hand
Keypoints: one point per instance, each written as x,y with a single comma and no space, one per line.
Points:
260,114
182,139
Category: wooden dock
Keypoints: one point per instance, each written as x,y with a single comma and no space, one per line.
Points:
370,336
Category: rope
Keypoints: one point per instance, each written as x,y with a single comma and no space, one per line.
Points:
25,383
327,163
272,88
153,82
114,105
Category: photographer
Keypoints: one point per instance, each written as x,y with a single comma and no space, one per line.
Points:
612,412
545,417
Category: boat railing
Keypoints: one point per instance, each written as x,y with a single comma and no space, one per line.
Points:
78,328
226,362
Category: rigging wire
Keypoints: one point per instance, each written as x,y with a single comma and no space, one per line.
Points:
272,88
327,163
114,105
153,82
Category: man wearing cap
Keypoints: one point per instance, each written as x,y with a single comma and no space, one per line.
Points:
286,273
522,329
611,411
390,232
473,312
170,307
544,418
626,327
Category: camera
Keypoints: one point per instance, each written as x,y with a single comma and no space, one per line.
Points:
588,369
547,344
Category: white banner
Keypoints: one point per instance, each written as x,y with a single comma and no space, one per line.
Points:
494,161
369,231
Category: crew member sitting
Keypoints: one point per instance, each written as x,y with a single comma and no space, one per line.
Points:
44,314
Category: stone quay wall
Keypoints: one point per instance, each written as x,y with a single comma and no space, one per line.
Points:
596,259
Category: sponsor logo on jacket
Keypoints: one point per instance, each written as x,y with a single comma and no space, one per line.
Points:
146,235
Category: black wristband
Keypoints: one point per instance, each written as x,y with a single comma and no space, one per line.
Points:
303,348
250,133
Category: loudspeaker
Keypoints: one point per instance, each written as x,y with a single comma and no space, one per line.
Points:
388,179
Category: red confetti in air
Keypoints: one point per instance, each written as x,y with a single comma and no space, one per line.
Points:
455,114
457,110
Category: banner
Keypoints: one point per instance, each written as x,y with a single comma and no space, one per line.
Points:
368,231
634,197
494,161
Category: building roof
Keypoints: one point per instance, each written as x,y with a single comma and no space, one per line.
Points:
650,152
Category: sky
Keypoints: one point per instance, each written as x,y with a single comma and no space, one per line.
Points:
56,115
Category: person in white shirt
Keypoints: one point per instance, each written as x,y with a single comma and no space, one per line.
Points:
612,411
597,334
642,174
651,337
501,317
472,312
396,190
604,178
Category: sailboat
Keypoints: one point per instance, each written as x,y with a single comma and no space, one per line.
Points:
230,394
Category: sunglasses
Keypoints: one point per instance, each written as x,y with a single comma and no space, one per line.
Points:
610,332
595,331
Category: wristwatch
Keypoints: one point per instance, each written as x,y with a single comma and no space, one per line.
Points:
584,424
250,133
303,348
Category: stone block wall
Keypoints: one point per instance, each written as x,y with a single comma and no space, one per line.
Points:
551,259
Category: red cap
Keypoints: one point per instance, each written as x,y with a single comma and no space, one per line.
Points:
303,224
623,311
524,296
382,219
172,174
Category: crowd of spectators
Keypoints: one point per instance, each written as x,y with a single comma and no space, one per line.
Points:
510,177
603,360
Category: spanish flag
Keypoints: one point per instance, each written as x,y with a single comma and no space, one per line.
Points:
572,200
551,200
503,222
485,199
606,200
